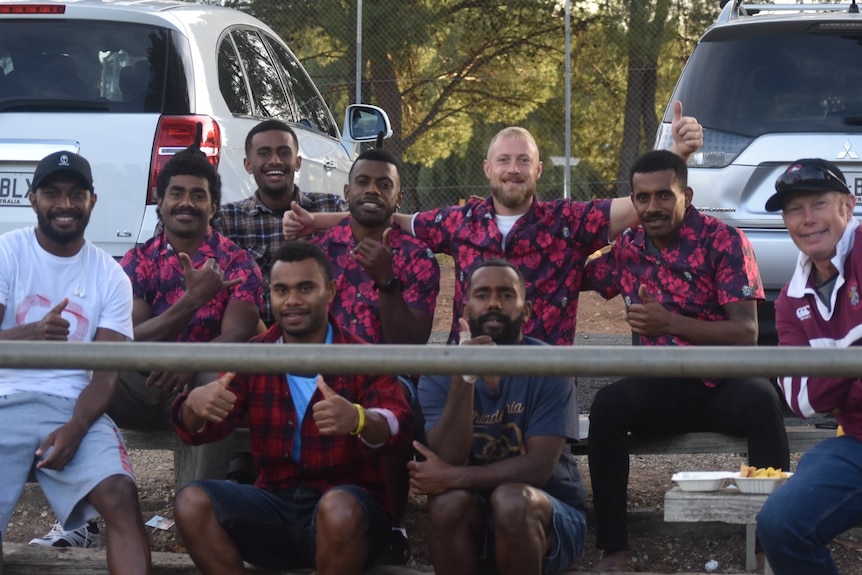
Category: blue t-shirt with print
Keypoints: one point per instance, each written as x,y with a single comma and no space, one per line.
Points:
525,406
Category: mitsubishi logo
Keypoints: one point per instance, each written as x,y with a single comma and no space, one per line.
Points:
847,153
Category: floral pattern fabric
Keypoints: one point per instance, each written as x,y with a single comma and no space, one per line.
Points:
157,278
549,244
357,301
705,267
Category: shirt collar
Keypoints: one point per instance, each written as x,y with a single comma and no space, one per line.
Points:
258,205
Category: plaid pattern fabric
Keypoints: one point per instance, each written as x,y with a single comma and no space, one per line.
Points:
324,462
157,278
357,301
253,226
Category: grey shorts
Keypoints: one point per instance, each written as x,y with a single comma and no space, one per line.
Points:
27,419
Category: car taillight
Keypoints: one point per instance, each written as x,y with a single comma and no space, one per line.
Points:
176,133
719,148
33,9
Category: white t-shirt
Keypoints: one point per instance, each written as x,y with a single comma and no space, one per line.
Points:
32,281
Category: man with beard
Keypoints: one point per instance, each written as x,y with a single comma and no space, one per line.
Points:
272,158
387,289
548,241
503,487
686,279
190,284
319,500
57,286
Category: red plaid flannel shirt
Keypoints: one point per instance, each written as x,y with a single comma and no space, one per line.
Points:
325,462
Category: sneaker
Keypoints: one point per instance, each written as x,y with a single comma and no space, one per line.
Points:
398,552
86,536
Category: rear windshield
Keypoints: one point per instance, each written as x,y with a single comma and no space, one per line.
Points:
103,66
782,81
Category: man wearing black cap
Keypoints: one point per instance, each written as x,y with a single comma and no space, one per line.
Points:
57,286
820,307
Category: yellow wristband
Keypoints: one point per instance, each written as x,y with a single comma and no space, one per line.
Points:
361,425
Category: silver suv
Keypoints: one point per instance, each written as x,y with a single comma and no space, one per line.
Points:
126,84
771,84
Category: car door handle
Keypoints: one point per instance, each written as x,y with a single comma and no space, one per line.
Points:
124,234
328,165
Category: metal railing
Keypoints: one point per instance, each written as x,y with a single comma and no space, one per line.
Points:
700,361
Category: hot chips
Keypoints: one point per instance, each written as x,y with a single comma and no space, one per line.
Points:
761,472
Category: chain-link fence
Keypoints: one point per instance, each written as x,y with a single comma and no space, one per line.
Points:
450,74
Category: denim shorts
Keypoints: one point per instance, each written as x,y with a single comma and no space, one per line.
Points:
570,537
277,530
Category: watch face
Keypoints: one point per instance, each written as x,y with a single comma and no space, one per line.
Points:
390,285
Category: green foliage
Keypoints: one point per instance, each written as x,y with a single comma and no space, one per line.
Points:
450,73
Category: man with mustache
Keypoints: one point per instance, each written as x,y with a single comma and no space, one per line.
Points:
503,488
190,284
387,290
57,286
686,279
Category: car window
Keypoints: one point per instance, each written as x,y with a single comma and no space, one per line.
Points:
231,79
111,66
782,82
263,78
313,112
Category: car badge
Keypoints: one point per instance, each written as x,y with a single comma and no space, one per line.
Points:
847,153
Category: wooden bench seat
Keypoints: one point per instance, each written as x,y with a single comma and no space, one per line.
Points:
800,439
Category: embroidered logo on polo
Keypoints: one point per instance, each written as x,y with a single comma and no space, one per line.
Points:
803,312
853,294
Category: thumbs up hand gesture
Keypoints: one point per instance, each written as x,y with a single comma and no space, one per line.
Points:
687,133
52,327
213,401
296,222
649,318
333,414
375,257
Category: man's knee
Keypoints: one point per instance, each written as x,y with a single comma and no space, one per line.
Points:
450,507
191,505
515,503
340,514
115,493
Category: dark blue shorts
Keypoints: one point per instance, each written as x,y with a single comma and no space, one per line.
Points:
570,537
277,530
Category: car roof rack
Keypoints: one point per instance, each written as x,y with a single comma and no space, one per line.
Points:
736,9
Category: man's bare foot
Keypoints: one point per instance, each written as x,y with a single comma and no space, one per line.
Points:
613,562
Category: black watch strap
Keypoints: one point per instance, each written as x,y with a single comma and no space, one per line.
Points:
390,286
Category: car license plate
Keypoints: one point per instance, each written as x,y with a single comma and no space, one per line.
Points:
13,188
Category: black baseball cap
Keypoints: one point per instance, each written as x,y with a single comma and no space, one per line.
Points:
62,162
808,175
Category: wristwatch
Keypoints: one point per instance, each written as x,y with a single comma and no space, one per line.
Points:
390,286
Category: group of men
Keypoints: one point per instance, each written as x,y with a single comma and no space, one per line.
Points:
333,454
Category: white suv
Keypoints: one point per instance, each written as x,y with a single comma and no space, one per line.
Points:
771,84
126,84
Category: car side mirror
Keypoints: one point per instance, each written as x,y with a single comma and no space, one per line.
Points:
364,123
